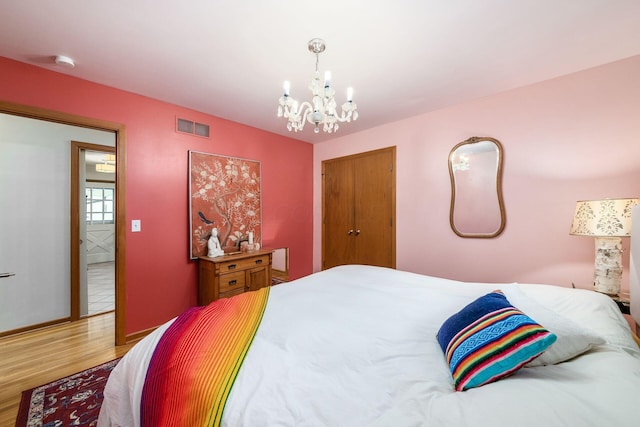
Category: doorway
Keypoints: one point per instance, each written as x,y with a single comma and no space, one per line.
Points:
119,130
93,195
97,195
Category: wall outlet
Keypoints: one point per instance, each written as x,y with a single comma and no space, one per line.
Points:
135,226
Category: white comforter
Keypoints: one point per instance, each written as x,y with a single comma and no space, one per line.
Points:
356,346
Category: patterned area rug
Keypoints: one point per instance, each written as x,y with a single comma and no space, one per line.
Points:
71,401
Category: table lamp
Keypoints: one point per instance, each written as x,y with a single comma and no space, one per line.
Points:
608,221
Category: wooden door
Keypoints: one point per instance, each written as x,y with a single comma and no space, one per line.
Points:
338,246
374,208
359,209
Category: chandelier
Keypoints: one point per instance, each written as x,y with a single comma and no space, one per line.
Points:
322,108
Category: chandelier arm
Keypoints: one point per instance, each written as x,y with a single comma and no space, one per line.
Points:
306,107
345,116
298,117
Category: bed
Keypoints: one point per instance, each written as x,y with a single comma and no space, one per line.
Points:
359,346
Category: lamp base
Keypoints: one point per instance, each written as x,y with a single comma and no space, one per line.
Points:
608,265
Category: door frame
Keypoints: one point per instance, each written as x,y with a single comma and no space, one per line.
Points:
76,149
120,244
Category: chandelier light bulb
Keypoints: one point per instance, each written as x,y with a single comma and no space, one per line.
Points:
322,109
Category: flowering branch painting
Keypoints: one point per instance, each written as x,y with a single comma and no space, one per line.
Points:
225,194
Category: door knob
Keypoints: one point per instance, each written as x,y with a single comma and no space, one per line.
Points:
357,232
350,232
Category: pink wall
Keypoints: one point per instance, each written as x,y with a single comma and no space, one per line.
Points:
571,138
161,281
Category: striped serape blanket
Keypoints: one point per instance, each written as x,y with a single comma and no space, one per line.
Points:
197,359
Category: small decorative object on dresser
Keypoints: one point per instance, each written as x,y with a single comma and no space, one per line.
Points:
229,275
214,244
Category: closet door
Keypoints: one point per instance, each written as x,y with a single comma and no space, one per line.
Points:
338,229
359,209
374,209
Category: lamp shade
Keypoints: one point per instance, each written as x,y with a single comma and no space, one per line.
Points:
603,218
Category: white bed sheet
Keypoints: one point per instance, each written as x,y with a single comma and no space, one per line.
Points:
355,346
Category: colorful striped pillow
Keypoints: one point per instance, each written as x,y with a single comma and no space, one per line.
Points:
490,339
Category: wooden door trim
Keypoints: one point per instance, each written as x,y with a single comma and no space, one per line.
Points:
391,149
76,148
120,134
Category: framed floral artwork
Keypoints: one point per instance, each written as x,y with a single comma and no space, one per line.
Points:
224,193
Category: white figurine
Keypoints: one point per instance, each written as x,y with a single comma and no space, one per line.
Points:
214,245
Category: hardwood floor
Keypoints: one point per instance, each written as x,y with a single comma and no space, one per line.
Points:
35,358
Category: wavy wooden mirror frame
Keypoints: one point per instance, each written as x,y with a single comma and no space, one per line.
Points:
475,169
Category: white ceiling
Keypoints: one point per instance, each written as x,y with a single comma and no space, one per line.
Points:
403,58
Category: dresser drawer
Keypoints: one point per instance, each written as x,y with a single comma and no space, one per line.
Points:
243,264
232,281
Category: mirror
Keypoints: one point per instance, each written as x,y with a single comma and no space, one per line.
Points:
475,169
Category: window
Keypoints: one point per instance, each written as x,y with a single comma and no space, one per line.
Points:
99,205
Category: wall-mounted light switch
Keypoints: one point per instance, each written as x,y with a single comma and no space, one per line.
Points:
135,226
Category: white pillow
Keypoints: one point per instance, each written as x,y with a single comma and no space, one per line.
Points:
573,339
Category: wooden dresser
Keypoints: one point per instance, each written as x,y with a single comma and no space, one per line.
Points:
229,275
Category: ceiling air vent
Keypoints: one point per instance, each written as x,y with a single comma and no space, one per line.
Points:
191,127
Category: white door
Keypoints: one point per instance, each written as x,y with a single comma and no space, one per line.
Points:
35,218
